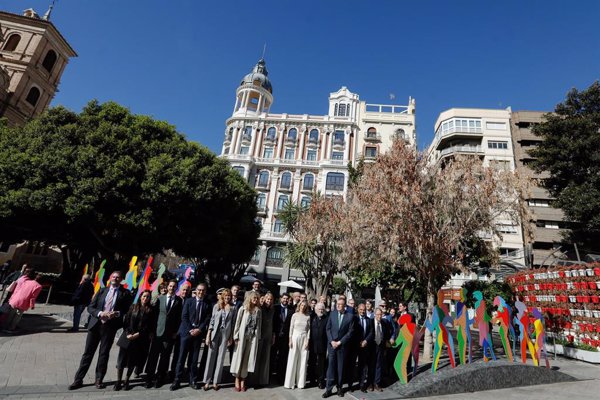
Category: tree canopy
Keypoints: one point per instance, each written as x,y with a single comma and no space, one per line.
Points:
569,152
106,180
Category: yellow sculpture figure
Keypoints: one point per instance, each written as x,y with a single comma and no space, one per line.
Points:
540,336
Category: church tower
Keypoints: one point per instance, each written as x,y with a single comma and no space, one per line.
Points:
33,56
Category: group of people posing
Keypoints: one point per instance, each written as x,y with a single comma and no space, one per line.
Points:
301,340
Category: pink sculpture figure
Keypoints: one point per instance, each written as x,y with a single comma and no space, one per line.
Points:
482,319
437,326
540,336
463,323
522,320
504,319
405,342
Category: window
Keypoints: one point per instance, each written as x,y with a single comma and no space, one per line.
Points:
289,154
240,170
539,203
335,181
400,134
335,109
261,201
495,126
278,226
275,253
286,180
305,202
507,251
311,155
342,110
271,133
268,153
309,182
12,42
370,152
247,133
372,133
292,134
337,155
338,137
459,125
49,60
551,225
497,145
500,165
313,136
263,179
33,96
507,228
282,201
244,150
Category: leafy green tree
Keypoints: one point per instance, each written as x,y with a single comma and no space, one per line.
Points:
489,290
569,152
111,183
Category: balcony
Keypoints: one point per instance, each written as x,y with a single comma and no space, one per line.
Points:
308,188
262,185
458,132
262,210
372,137
450,151
270,139
290,139
339,144
228,139
246,138
313,140
370,156
285,188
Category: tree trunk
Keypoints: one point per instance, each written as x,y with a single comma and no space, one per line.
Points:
431,296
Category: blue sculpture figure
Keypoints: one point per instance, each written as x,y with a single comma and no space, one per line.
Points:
437,326
482,318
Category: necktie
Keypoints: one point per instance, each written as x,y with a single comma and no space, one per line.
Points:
198,312
108,302
364,326
169,303
340,318
378,333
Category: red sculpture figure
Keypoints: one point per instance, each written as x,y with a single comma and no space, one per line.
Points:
522,320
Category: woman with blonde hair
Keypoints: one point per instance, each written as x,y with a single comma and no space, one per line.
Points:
298,342
219,338
261,374
246,335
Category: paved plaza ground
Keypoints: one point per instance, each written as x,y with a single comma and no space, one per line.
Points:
41,360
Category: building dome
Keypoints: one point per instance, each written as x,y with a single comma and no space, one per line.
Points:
258,76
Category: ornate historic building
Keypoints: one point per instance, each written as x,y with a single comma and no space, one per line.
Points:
33,56
287,157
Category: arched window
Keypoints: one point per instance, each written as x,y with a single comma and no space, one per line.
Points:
271,133
261,201
49,60
282,201
240,170
342,110
275,253
305,202
313,136
33,96
263,179
247,133
292,133
309,182
335,181
12,42
286,180
371,133
400,134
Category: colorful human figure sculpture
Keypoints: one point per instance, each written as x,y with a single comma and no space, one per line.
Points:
522,320
504,318
482,318
463,323
540,336
437,326
404,340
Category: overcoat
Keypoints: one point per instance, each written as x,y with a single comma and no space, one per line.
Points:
238,334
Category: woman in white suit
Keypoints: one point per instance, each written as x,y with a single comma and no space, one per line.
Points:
218,339
246,335
298,356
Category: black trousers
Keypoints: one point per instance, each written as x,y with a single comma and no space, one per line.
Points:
351,354
159,357
378,363
282,345
336,367
103,335
189,348
317,368
365,370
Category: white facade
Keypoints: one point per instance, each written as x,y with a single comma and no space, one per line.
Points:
485,133
288,157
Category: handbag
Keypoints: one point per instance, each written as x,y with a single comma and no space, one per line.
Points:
123,342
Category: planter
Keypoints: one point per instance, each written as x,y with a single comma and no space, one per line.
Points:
592,285
568,273
587,313
589,272
573,299
595,299
570,285
597,271
596,313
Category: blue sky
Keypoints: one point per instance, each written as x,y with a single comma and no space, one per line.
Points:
181,60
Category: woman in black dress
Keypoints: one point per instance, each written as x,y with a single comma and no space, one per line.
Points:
138,325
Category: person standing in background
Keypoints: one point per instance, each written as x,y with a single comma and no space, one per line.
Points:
262,373
81,298
317,358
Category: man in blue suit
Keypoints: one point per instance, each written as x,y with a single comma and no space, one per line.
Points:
192,331
340,328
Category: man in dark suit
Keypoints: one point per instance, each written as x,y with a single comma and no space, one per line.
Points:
281,327
168,309
317,358
192,331
340,328
106,310
365,335
237,299
382,334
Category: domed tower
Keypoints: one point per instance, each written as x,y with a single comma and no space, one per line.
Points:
255,93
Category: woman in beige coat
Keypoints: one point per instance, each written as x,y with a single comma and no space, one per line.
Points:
246,335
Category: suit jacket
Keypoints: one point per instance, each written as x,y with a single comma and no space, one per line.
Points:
189,314
83,294
121,304
318,334
386,332
168,322
282,326
222,318
342,332
361,334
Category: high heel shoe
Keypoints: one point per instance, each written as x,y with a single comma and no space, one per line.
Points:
216,387
126,385
206,387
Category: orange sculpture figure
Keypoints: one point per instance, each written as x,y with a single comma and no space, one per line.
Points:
522,320
540,336
504,319
463,323
437,326
482,318
405,342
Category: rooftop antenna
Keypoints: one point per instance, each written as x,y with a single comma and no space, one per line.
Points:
46,16
264,51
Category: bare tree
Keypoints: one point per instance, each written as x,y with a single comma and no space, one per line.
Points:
420,217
